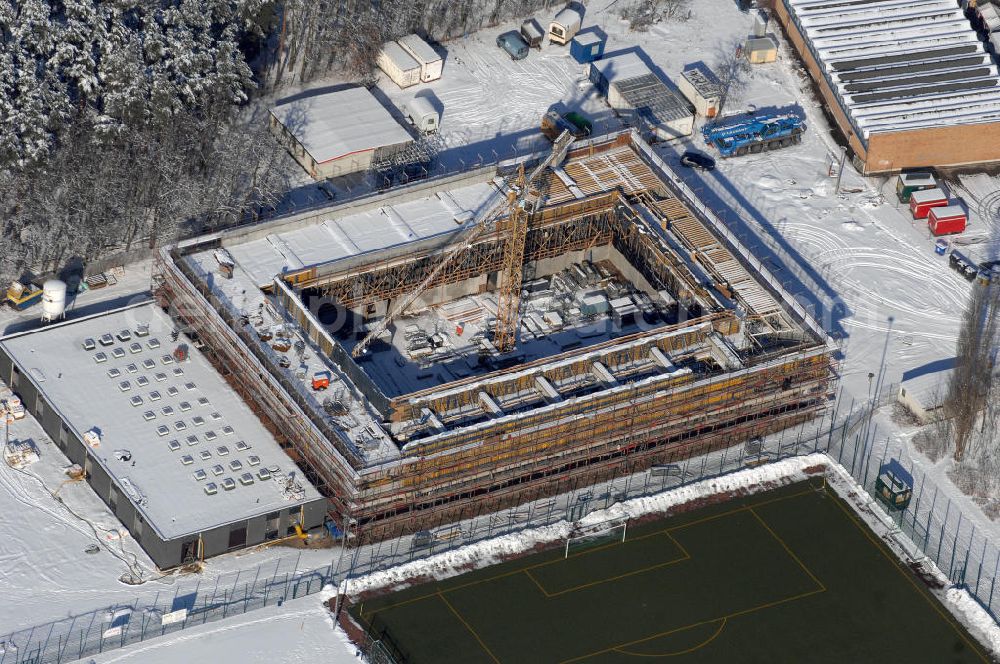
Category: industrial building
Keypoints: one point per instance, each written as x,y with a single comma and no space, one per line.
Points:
637,94
908,84
338,133
497,337
179,458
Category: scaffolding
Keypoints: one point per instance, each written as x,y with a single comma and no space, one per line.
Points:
517,433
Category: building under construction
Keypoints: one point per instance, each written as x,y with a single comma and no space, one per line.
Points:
375,338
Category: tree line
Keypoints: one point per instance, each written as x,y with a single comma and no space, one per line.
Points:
127,123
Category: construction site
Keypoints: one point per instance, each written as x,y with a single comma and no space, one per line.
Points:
463,345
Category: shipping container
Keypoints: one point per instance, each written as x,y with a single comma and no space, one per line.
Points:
431,64
702,88
566,24
642,98
398,65
907,183
946,220
587,47
922,201
532,33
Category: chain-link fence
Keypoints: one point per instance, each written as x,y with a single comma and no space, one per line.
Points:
935,525
933,522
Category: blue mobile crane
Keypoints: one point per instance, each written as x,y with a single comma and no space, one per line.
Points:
764,132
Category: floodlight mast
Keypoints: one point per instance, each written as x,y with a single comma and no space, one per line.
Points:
510,199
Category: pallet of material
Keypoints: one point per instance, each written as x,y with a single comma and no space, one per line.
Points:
96,281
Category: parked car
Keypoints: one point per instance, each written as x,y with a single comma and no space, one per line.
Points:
514,44
698,161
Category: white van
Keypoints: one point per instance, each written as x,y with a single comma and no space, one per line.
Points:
420,112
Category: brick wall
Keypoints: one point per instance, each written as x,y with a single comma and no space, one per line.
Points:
888,152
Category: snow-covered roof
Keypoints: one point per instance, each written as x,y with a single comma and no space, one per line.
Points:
154,412
621,68
422,51
899,65
703,81
337,237
929,195
399,57
336,124
917,179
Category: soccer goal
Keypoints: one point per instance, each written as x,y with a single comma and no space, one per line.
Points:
596,534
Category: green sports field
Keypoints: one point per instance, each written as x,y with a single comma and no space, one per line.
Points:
788,576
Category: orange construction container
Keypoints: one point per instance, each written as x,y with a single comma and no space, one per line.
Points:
946,220
321,380
922,201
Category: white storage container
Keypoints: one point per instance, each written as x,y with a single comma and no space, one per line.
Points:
431,64
398,65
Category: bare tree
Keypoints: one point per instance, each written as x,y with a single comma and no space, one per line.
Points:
733,70
972,381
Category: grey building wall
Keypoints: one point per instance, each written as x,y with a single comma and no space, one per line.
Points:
164,553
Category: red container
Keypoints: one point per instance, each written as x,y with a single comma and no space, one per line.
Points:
922,201
945,220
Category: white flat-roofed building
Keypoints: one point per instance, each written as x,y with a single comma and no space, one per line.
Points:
338,133
172,449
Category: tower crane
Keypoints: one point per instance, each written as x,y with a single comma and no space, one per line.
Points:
518,201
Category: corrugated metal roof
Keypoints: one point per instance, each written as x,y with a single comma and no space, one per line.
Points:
900,65
339,123
652,98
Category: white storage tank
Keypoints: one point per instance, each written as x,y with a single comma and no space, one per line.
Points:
398,65
53,299
431,64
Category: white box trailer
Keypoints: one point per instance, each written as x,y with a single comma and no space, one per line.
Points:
398,65
431,64
566,24
420,112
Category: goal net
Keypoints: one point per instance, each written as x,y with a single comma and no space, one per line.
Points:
606,532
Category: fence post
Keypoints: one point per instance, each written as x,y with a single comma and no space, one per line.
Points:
930,513
954,545
982,557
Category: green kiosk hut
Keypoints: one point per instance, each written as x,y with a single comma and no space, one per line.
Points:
907,183
894,485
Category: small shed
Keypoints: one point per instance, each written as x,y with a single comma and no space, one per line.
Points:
641,97
431,64
587,47
339,132
566,24
946,220
532,33
907,183
922,201
894,485
398,65
702,88
760,50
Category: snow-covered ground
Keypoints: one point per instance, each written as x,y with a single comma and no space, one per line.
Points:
298,631
868,270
